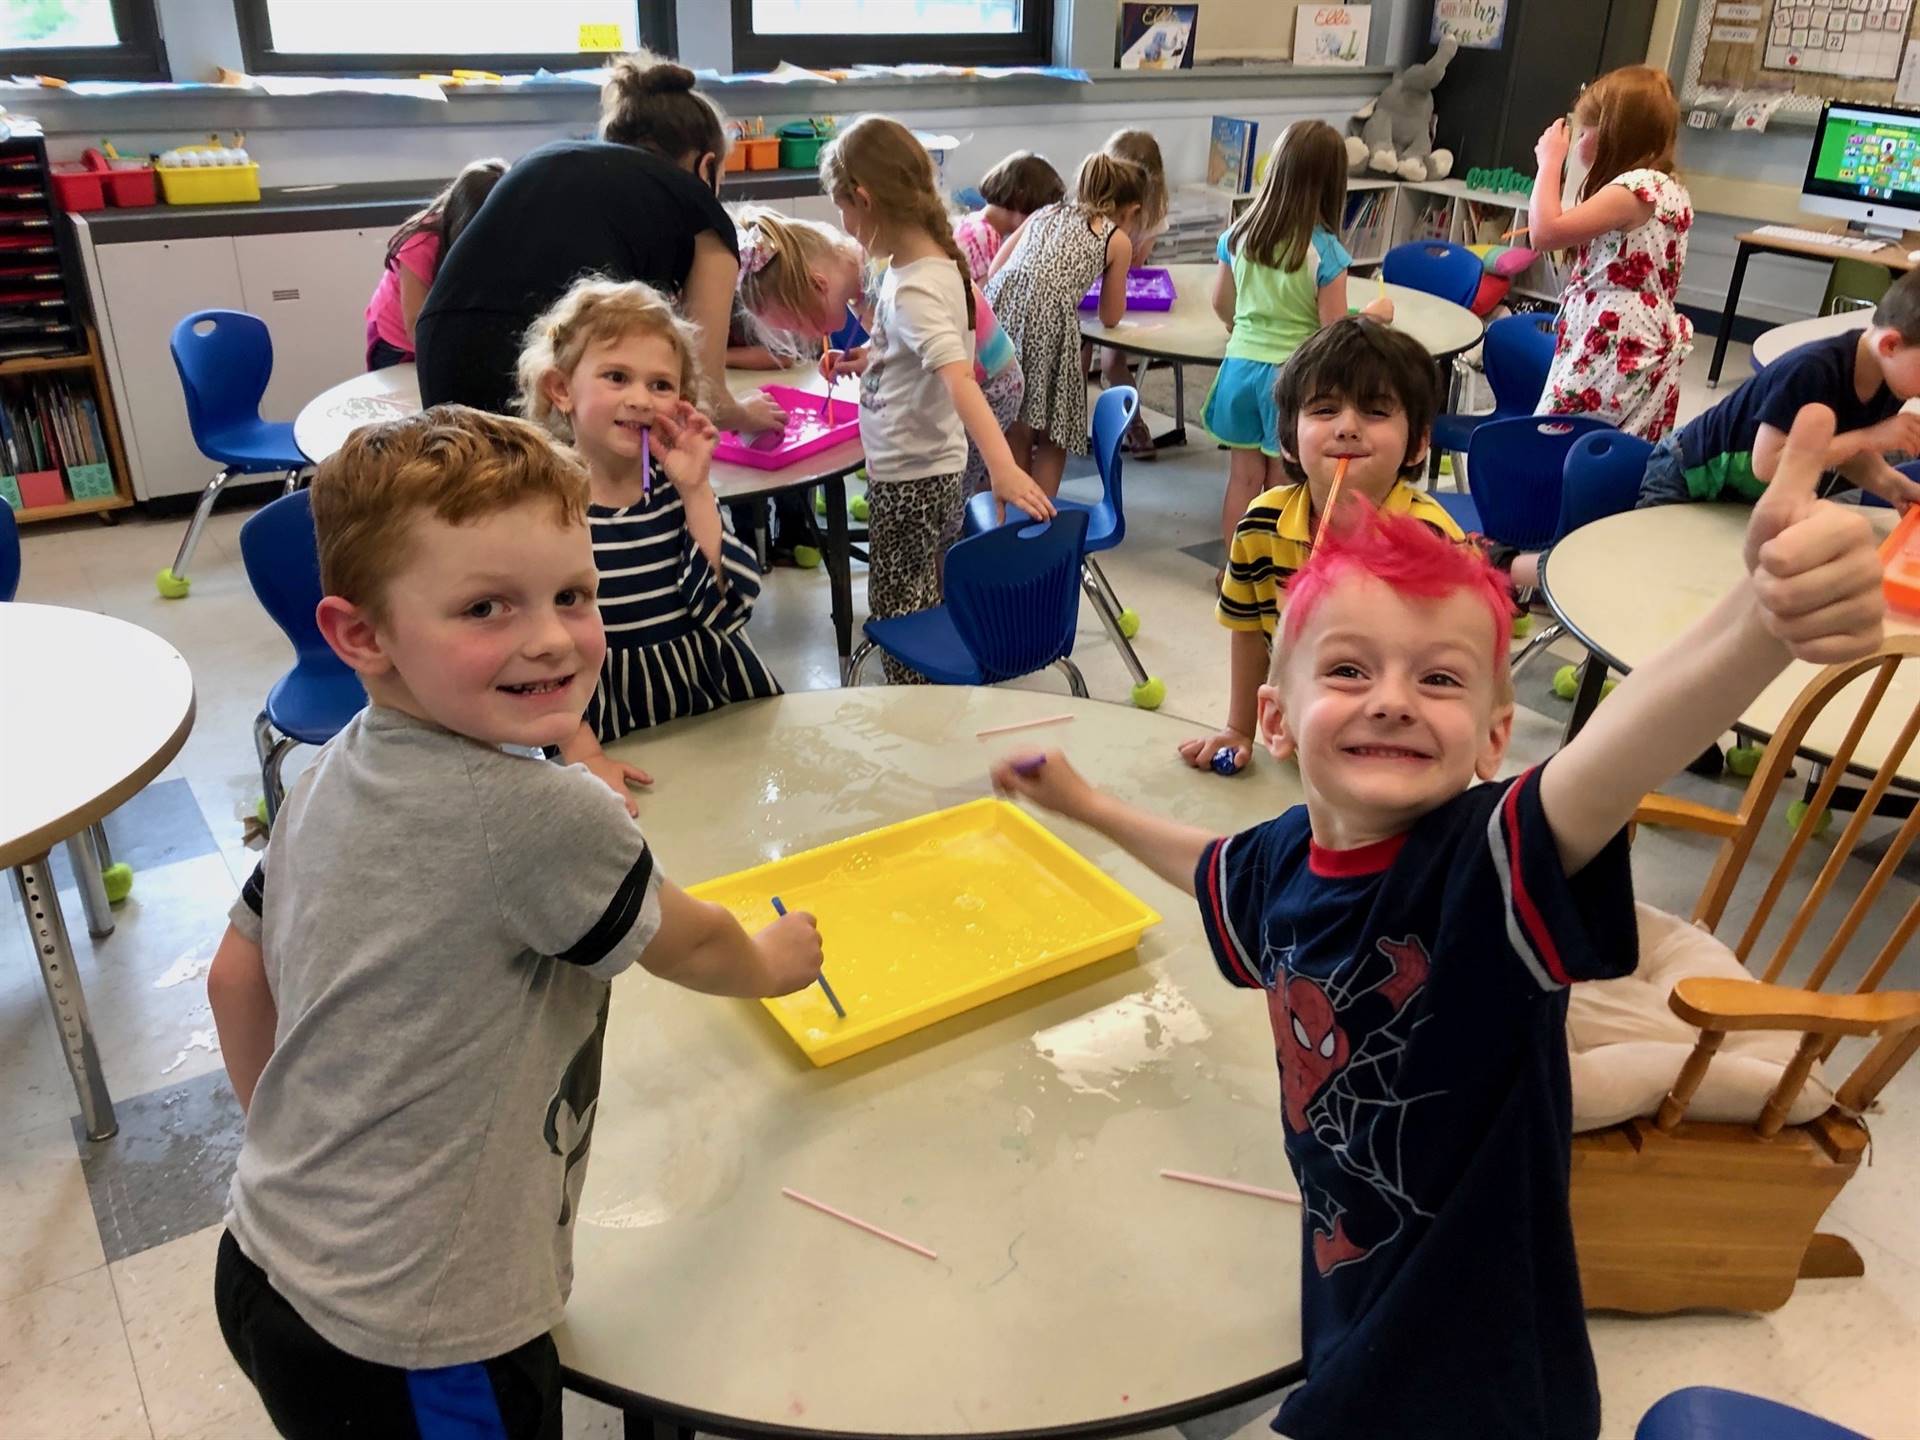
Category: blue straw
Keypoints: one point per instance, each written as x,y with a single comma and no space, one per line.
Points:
832,999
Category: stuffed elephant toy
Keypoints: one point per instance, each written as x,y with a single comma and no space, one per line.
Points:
1396,131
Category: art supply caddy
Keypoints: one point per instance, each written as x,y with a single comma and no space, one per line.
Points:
211,174
794,146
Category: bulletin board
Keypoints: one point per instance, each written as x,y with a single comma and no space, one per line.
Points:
1815,49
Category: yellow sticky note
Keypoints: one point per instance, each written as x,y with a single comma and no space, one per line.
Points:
601,37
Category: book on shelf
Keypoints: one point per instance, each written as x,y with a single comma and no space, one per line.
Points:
1231,153
50,425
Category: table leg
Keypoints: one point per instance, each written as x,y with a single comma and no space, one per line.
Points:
93,889
1179,435
839,559
1727,315
1593,675
62,979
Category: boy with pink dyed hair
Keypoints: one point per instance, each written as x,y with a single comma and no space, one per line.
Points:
1415,925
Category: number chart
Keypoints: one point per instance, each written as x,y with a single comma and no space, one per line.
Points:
1863,39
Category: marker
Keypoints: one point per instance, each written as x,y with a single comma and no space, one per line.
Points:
826,400
1333,496
832,999
1030,768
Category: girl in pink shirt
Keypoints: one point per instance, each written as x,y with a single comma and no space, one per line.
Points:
1015,188
413,258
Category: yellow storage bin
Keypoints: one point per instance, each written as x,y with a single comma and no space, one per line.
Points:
931,917
209,184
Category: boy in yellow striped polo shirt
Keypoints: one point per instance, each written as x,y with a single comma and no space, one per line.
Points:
1357,390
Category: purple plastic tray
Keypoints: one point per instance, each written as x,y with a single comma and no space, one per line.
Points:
1148,289
813,424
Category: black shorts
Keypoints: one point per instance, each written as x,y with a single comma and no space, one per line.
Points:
313,1389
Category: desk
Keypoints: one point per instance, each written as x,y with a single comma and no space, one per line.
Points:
325,421
1021,1141
1191,334
1894,257
1774,343
1627,586
93,709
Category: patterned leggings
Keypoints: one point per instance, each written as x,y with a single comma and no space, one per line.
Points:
910,526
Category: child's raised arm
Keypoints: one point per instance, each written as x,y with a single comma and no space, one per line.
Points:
1166,847
1812,593
1551,228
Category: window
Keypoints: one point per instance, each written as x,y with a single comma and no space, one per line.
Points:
408,37
81,39
826,33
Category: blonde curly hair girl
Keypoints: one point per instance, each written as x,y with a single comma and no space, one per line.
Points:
595,311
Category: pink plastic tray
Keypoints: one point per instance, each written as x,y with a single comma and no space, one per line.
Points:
1149,289
809,431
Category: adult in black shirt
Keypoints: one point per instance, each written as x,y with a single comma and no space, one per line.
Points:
637,204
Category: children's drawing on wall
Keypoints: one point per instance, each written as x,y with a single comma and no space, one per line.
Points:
1331,34
1156,37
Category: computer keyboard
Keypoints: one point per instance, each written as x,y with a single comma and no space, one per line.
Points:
1819,237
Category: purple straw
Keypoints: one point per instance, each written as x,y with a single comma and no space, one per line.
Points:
1029,768
646,463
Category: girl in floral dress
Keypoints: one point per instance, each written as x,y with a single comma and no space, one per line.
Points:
1621,340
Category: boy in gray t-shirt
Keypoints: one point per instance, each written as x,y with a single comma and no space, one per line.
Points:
413,992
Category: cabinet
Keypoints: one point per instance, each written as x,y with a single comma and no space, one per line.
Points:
311,289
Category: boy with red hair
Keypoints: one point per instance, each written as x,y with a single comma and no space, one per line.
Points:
1415,933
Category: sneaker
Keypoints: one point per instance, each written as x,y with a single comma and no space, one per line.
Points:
1139,441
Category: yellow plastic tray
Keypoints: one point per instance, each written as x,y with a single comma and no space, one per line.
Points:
209,185
931,917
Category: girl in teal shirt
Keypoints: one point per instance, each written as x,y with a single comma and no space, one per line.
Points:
1282,275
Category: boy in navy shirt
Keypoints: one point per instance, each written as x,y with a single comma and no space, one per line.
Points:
1415,933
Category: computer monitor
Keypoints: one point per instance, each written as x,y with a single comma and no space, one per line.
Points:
1865,167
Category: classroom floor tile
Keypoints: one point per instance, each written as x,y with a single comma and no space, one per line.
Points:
106,1323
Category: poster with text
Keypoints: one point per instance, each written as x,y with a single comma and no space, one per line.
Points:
1156,37
1331,34
1476,24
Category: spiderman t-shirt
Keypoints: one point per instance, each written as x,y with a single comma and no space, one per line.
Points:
1418,993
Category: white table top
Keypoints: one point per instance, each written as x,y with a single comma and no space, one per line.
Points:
1628,585
1770,345
1021,1141
1191,331
324,422
92,709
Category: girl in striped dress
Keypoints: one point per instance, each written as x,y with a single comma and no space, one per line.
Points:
611,368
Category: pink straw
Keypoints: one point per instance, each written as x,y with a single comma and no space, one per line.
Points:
1259,1192
1021,725
858,1224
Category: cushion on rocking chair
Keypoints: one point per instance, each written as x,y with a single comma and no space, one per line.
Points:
1627,1046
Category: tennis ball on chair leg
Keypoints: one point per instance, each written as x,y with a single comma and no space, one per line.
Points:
1743,760
1522,625
1152,694
1129,622
1566,682
806,557
171,586
1797,811
858,508
118,880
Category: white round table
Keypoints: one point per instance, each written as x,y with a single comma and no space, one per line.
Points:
1021,1141
1627,586
93,709
1770,345
324,423
1190,332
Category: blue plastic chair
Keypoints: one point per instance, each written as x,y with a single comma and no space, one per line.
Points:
1517,353
311,702
1516,467
1012,605
225,358
1113,413
1438,267
1706,1412
9,553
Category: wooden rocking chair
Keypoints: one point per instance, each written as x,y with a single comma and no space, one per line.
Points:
1670,1214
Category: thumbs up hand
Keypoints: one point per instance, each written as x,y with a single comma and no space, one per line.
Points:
1815,571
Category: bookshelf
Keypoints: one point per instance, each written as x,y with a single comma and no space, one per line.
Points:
1450,210
56,409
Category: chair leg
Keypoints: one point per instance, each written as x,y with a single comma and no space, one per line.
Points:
859,658
262,737
102,847
1537,642
1076,682
292,482
1109,617
1092,567
270,782
173,580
